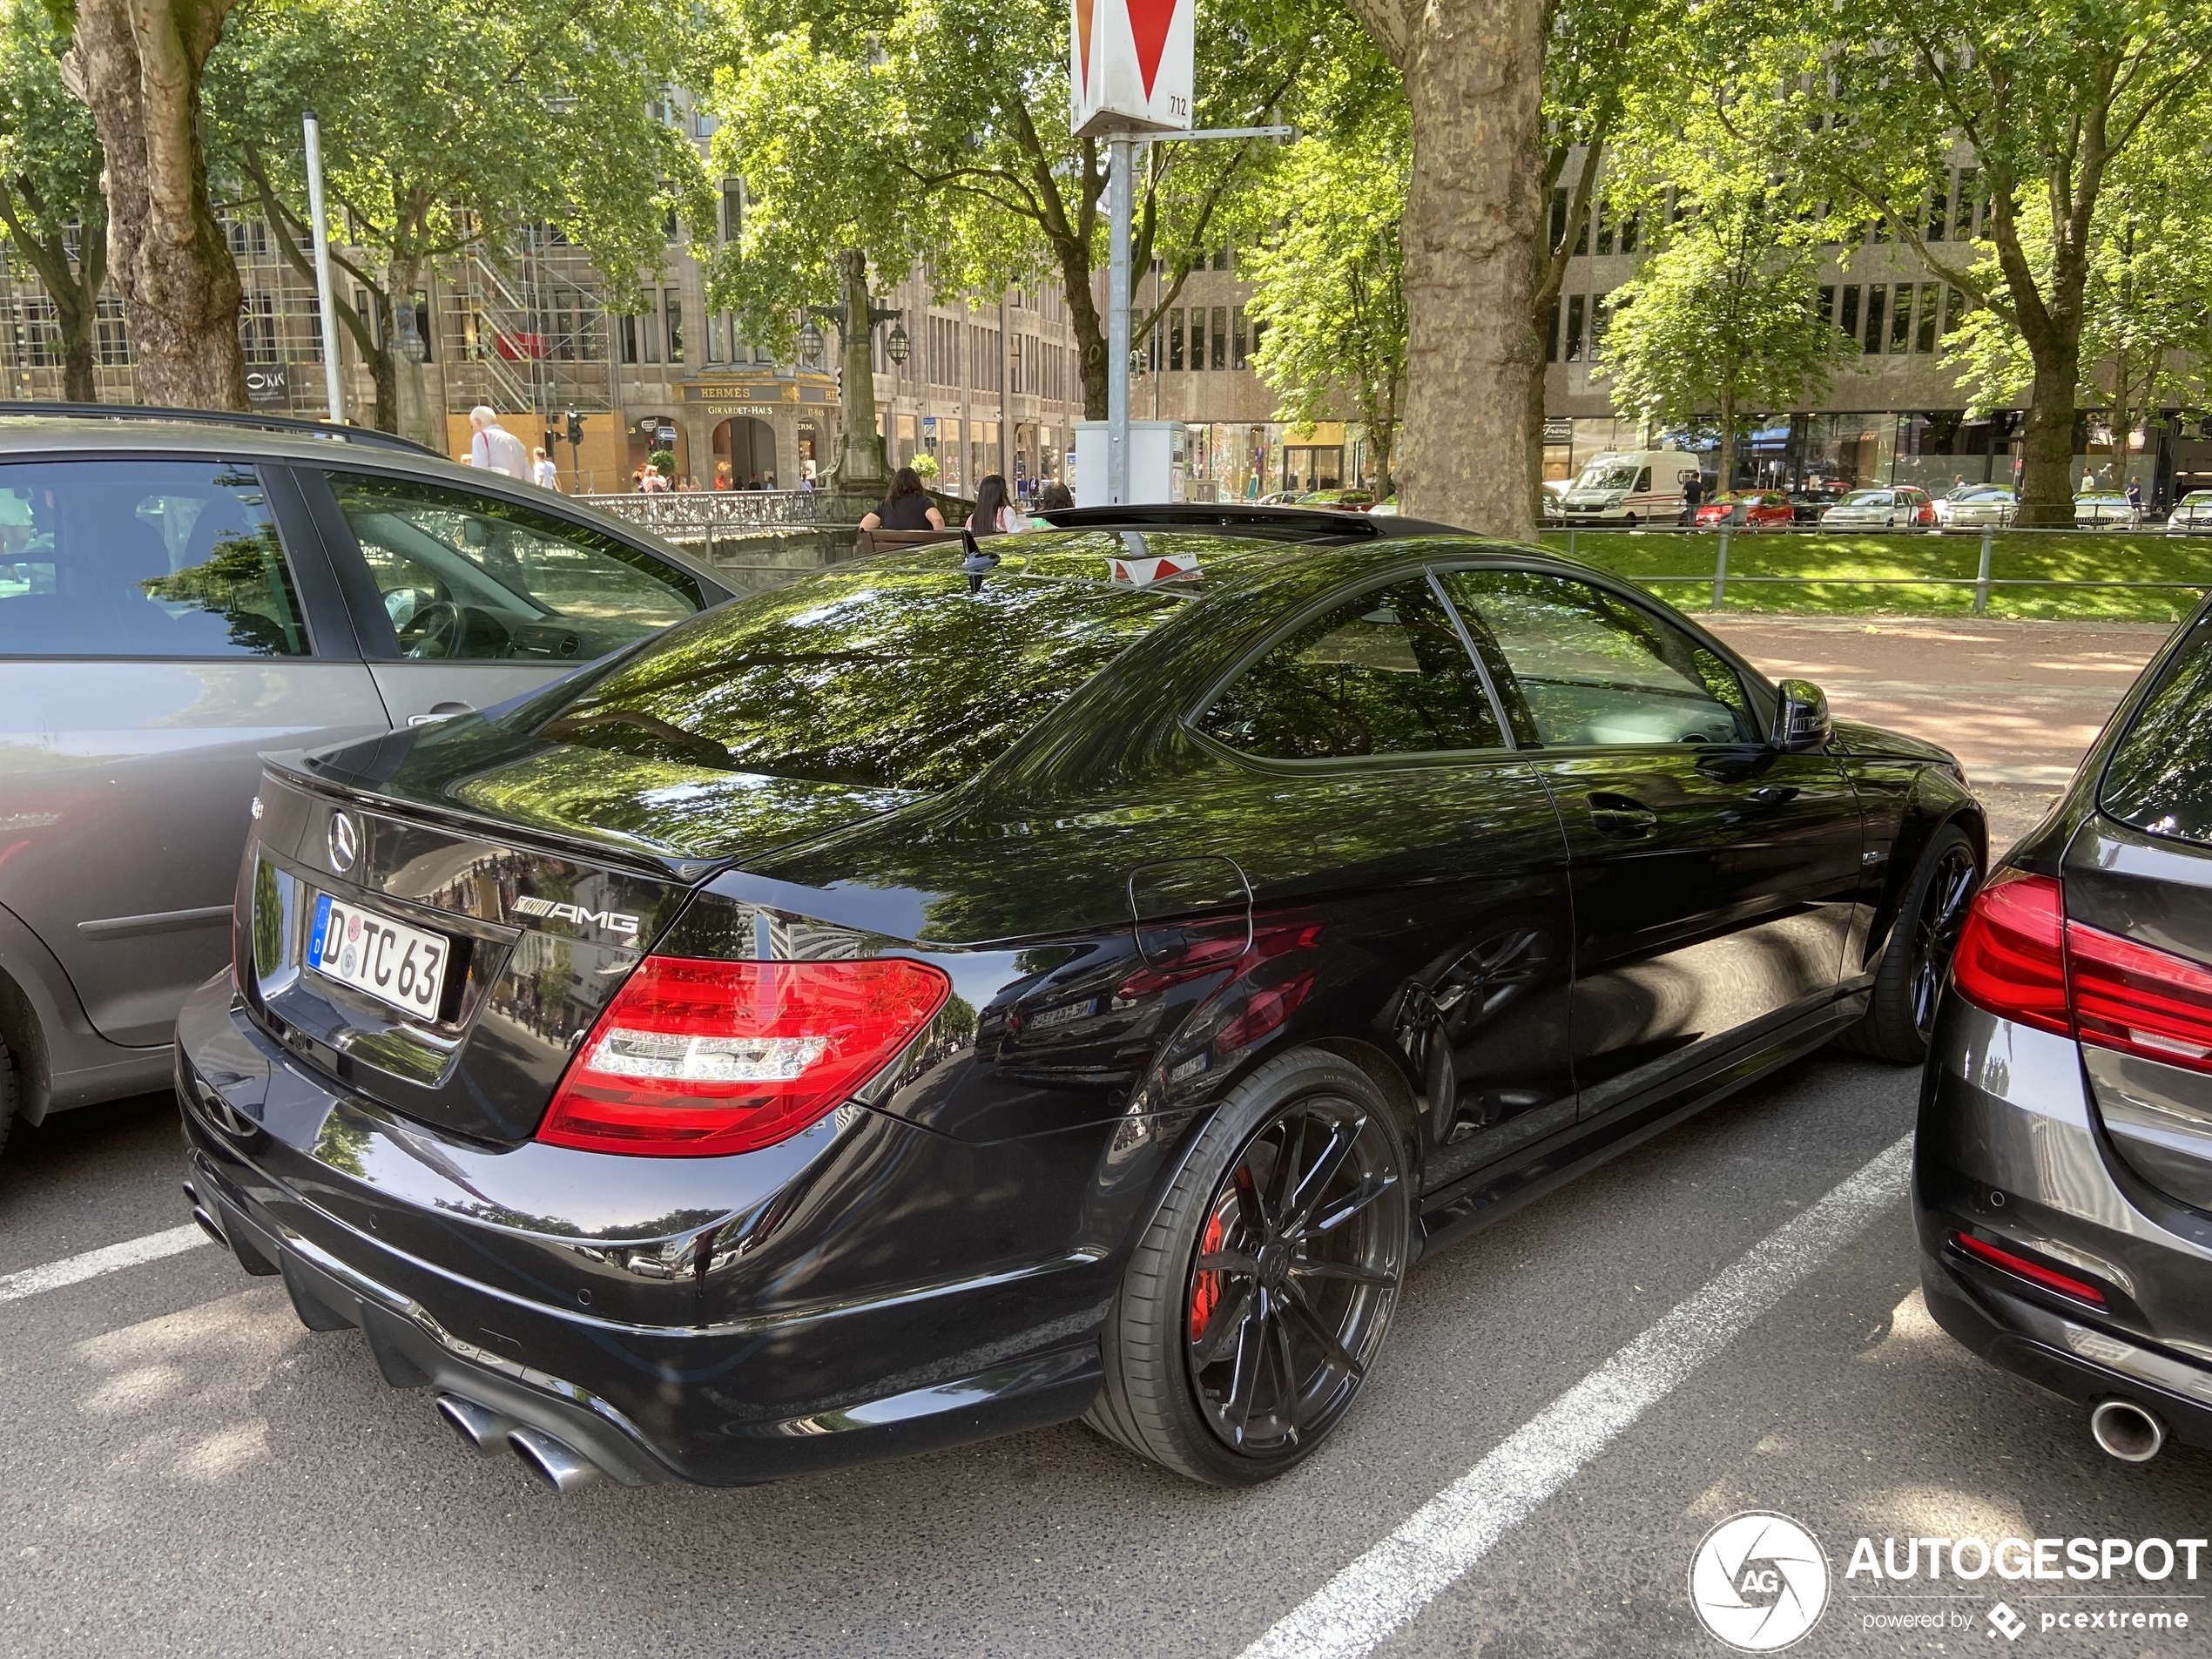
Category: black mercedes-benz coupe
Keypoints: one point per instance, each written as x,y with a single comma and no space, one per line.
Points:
2062,1173
896,1009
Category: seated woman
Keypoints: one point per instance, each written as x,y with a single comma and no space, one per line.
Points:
1054,496
906,508
995,514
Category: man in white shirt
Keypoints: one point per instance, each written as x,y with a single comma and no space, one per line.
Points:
548,476
494,447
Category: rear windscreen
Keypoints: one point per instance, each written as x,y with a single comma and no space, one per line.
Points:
879,678
2160,778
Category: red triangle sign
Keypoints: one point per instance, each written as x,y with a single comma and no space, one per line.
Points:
1148,28
1083,39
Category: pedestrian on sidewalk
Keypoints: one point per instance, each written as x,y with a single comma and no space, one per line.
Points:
542,469
494,447
1693,495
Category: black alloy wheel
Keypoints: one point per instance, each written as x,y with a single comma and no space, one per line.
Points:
1295,1276
1257,1300
1935,929
1908,980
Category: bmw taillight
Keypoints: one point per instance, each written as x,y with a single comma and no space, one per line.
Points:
2019,957
698,1059
2011,958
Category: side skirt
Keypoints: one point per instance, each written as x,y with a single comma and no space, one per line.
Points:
1490,1195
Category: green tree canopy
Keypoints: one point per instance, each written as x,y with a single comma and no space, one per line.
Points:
49,183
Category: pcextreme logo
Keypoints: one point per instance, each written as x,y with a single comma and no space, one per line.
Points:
1759,1581
614,921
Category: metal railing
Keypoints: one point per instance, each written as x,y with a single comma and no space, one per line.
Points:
1981,582
710,513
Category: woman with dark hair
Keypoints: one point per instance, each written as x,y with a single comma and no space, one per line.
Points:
906,508
1054,496
995,514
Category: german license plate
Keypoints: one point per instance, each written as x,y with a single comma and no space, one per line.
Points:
389,960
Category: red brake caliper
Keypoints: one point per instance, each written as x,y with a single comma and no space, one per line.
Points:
1205,1287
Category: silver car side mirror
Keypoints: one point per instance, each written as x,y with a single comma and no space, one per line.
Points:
1802,721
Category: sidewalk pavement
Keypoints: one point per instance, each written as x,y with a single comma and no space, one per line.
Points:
2018,702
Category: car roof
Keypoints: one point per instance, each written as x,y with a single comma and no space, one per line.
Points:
28,431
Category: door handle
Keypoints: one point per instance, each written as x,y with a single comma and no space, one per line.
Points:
441,711
1774,794
1622,816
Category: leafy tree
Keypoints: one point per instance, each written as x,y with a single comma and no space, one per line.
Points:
50,183
1721,320
1332,282
1474,81
2048,99
137,65
969,101
449,126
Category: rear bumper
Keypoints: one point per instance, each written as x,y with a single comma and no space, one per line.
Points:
2009,1150
601,1342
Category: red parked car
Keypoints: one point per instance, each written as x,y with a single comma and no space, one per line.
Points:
1761,509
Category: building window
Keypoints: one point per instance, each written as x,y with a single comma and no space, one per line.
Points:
1582,234
1221,263
1849,320
1259,327
1175,337
1575,305
424,327
1938,212
1824,305
1221,336
1600,319
716,336
732,212
114,332
1965,215
627,327
258,332
1236,360
1925,339
1629,233
675,300
1551,334
1877,300
1559,217
1901,319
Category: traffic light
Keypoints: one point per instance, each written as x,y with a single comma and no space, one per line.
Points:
576,428
551,438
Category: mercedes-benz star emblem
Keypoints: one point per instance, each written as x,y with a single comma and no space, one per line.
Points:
345,842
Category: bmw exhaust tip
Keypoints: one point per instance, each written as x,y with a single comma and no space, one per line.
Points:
2126,1431
558,1465
484,1431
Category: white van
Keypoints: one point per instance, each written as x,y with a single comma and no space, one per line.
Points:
1631,487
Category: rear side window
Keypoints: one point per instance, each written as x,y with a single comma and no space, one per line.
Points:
2160,778
142,558
1385,673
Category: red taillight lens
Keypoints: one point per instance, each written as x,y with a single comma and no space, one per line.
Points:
2011,959
698,1059
2034,1272
2138,999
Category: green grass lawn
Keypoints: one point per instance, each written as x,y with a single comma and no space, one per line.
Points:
1683,563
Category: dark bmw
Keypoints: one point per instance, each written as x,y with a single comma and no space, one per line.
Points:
877,1014
2063,1173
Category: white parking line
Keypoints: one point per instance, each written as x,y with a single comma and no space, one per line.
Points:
1353,1613
72,1270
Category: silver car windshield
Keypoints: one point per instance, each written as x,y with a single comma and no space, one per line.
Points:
1613,477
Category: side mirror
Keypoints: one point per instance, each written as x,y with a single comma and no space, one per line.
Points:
1802,721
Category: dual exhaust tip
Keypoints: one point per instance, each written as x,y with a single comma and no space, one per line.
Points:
2124,1430
555,1464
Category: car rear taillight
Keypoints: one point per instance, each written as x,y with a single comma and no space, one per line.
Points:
699,1059
2011,958
2140,1000
2019,957
2034,1272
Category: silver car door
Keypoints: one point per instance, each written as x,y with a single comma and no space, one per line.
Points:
466,597
157,635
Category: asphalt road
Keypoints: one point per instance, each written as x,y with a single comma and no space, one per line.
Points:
185,1469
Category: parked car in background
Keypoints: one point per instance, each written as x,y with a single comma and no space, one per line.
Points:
1893,507
2063,1163
1758,510
1356,499
2099,509
1556,499
863,1020
179,595
1980,507
1632,487
2192,514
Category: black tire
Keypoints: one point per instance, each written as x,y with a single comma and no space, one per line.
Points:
1281,1295
1900,1018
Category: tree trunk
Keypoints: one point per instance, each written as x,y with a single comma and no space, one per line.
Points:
2047,441
1473,73
1088,326
1726,481
77,384
138,66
